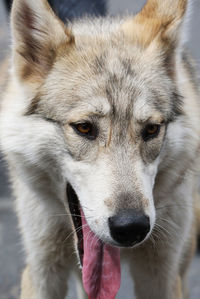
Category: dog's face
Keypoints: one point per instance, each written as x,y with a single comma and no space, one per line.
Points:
111,99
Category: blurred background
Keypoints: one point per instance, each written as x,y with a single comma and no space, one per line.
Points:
11,253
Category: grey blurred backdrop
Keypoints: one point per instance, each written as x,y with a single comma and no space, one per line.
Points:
11,253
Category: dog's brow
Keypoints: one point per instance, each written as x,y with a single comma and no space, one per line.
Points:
99,106
153,118
96,106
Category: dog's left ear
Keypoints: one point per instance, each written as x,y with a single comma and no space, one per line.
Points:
159,22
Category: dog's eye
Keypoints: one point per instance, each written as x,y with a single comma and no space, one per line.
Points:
150,131
85,129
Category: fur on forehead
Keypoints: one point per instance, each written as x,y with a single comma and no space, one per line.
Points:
111,81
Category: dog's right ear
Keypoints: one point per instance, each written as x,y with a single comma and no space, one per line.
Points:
38,35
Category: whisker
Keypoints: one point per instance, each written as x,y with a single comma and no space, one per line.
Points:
174,205
87,237
162,230
86,208
75,215
171,223
75,231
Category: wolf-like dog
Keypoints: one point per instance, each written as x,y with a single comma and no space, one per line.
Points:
100,126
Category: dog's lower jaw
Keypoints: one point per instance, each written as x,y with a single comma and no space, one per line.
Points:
100,262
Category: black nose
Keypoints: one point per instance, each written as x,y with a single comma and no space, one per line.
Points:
129,227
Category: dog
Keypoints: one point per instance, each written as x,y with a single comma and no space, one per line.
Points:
100,126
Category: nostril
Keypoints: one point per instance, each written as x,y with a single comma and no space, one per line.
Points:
129,227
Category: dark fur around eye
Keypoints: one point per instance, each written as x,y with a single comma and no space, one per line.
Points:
85,129
150,131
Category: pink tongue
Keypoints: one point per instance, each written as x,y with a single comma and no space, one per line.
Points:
101,266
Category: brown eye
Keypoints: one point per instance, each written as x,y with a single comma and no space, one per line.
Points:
151,131
85,129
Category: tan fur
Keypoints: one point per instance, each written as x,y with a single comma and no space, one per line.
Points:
178,289
157,20
197,211
26,285
28,49
4,72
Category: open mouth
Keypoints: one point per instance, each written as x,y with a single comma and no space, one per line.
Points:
74,207
100,262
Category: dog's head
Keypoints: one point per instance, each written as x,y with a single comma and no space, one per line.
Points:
107,103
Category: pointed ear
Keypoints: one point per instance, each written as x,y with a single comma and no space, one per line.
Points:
37,37
160,21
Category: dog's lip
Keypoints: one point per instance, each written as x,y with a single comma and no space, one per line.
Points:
74,207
